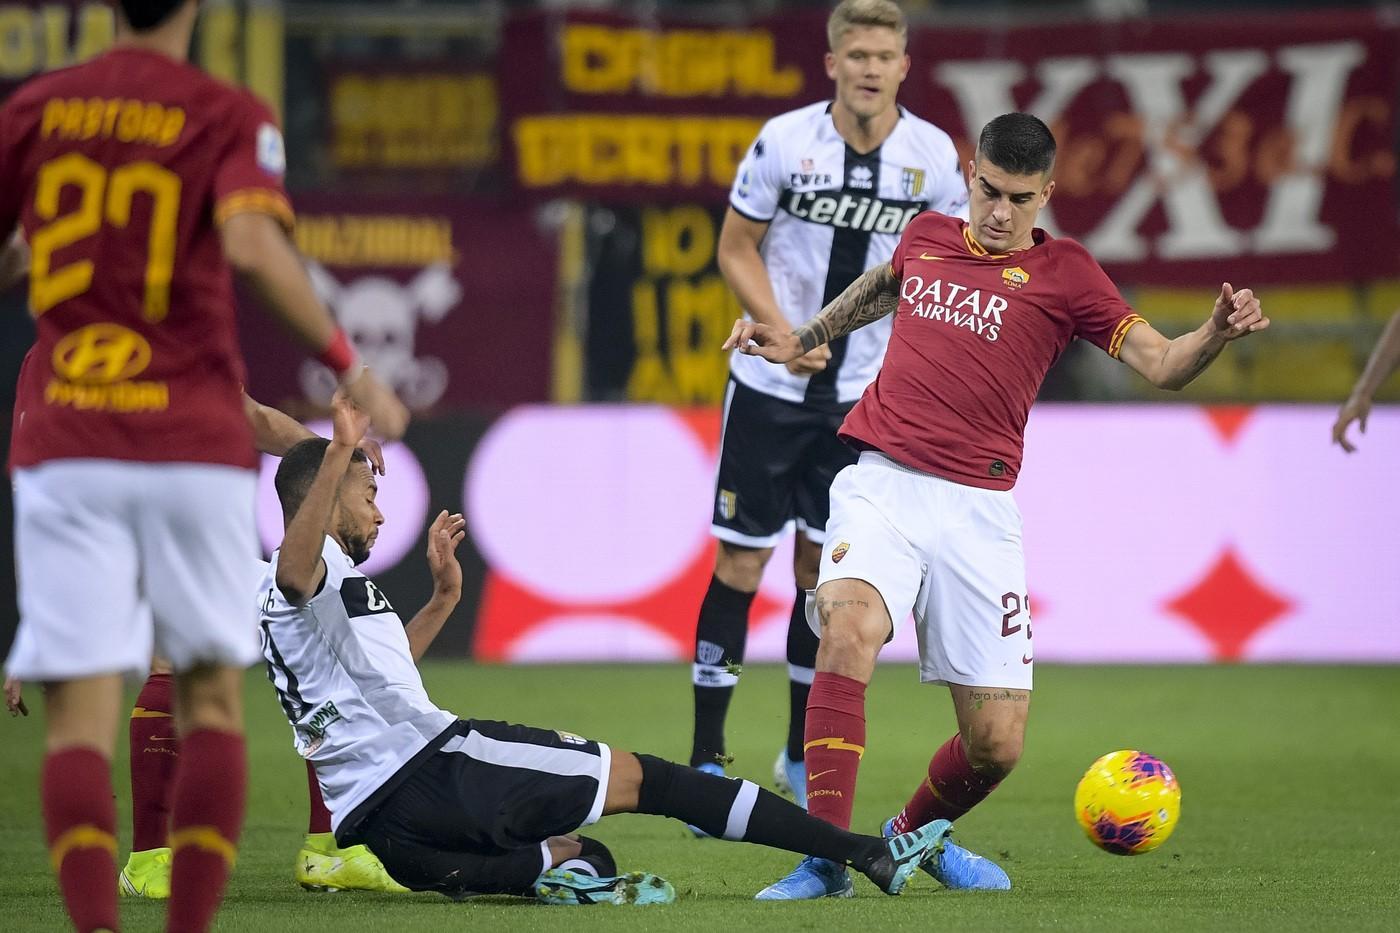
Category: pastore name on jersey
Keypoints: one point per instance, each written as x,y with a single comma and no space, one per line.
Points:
951,303
852,211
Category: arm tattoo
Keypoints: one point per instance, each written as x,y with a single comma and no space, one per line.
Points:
869,298
1202,360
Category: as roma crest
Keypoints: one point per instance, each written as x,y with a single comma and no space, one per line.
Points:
1015,277
839,552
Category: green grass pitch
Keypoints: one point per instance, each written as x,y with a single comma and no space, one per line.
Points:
1290,815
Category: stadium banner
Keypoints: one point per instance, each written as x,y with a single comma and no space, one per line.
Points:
1189,152
450,300
1165,533
42,35
420,117
662,308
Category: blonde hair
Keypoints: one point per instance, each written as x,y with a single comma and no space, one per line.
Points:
852,13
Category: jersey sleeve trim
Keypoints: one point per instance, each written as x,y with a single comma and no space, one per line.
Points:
747,216
1120,333
255,200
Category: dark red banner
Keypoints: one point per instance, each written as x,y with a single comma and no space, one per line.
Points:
1258,148
449,300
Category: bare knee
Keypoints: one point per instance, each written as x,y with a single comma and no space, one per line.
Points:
209,697
739,567
854,626
993,753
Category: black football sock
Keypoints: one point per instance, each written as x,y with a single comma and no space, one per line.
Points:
742,811
802,667
719,641
593,859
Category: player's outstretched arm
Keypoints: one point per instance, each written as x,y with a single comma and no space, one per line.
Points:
870,297
1172,364
257,248
1385,359
275,433
446,533
300,568
745,273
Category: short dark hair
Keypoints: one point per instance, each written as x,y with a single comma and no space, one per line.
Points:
298,470
148,14
1019,143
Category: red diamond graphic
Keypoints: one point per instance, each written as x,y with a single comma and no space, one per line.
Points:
1230,606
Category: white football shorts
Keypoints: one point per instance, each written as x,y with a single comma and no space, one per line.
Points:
116,558
948,554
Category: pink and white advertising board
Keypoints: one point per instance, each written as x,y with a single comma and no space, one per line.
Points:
1153,534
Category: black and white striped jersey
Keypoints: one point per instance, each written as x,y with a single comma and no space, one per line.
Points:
833,214
346,680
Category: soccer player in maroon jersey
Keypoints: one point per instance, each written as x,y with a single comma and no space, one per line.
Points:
139,184
925,523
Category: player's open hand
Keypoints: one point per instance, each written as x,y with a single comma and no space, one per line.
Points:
375,453
1355,409
754,339
13,701
1237,313
446,533
386,412
810,363
349,422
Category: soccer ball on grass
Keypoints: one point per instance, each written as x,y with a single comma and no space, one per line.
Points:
1128,802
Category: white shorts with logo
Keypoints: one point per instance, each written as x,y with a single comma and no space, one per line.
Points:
949,554
116,558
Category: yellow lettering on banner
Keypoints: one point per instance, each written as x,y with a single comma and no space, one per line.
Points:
55,30
680,311
1352,167
96,29
375,239
607,149
36,39
680,241
414,121
674,62
18,56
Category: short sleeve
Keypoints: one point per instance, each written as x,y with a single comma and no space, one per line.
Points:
906,238
950,191
1100,314
250,175
758,183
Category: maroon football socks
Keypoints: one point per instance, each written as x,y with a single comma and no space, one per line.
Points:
835,744
206,816
319,820
155,749
952,788
80,821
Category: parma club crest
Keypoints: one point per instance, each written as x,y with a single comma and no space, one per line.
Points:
912,182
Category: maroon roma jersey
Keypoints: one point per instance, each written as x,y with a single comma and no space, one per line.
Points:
119,172
973,337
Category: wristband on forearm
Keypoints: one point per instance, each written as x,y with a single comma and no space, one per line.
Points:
340,357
